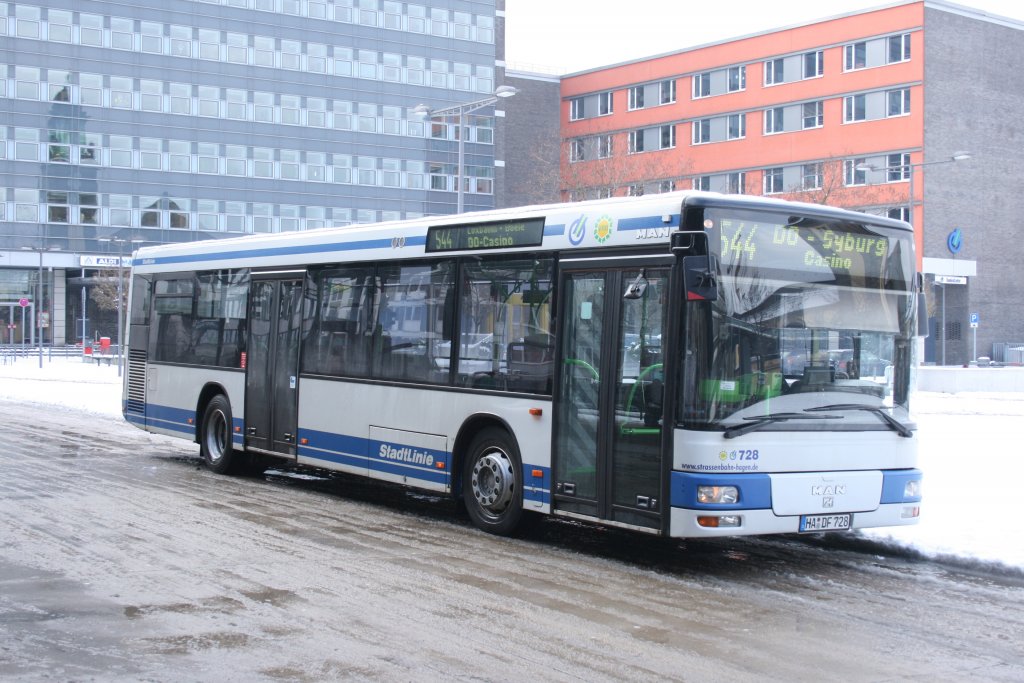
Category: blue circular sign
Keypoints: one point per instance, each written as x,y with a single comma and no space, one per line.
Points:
955,241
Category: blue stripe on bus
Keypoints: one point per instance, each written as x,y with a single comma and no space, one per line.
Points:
643,222
755,490
385,243
174,419
355,452
536,489
894,483
554,230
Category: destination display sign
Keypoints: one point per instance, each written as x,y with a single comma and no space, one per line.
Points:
500,235
839,249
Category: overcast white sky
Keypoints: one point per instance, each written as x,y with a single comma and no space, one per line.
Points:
563,36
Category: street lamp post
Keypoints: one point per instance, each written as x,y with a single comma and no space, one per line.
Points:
37,306
120,242
909,169
461,110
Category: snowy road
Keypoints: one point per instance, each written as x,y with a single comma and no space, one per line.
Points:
122,559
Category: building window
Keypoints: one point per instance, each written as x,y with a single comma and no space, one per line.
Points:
151,156
812,177
120,151
855,108
636,97
813,114
736,183
701,131
737,126
737,78
774,71
604,104
899,102
668,136
855,56
604,146
635,191
667,186
57,209
262,162
774,120
900,213
576,150
852,175
668,92
773,179
814,64
576,109
59,25
702,183
899,48
636,141
90,29
898,167
701,85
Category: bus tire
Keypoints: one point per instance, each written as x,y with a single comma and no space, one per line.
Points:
492,482
215,440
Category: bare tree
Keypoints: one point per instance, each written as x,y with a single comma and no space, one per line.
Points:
589,169
832,188
104,291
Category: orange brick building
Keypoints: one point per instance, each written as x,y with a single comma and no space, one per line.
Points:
857,110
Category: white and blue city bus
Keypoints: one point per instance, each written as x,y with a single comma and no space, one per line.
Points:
685,364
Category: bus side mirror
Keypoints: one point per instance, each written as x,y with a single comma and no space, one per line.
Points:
699,277
922,307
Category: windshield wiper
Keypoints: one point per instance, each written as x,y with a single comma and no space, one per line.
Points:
888,419
756,423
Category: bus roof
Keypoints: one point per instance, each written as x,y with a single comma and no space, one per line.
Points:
623,222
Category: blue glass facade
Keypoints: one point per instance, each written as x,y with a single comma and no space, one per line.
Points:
174,120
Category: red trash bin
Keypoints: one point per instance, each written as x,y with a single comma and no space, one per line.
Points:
104,344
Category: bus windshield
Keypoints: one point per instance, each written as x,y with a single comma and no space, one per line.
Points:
813,324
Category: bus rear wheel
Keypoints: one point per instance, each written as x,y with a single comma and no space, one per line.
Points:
491,483
215,441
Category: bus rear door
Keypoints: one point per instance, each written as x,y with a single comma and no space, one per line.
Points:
608,444
272,364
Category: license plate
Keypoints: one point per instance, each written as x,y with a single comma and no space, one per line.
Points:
814,523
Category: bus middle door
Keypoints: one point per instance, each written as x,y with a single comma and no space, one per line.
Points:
272,368
608,450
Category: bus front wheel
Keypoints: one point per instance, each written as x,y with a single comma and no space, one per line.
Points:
491,483
215,444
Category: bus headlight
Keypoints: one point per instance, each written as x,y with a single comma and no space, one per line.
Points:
722,495
912,489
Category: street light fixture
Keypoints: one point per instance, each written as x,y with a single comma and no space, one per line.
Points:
120,242
909,169
461,110
37,306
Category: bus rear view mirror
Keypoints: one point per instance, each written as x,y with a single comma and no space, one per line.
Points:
922,307
699,278
698,265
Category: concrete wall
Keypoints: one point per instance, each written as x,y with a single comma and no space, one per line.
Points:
974,93
952,380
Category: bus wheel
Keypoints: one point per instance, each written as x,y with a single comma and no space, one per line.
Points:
215,437
491,486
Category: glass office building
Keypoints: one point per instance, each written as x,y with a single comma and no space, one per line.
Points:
174,120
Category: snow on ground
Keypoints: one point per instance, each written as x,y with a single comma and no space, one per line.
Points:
970,450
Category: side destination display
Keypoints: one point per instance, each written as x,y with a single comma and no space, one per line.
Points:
500,235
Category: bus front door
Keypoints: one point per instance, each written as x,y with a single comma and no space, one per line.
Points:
608,430
272,366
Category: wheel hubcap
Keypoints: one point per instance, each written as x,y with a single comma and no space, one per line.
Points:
217,436
493,481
